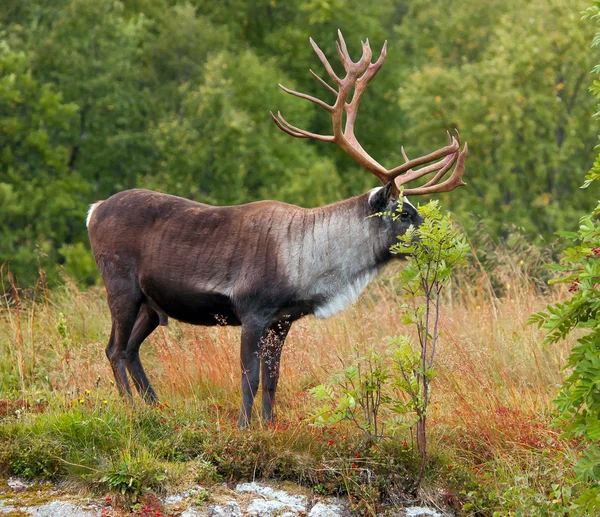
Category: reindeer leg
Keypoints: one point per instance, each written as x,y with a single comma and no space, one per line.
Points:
124,304
252,333
146,323
115,351
270,362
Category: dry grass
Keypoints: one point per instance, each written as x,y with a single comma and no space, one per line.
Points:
489,358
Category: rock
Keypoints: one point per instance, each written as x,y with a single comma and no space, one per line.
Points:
6,509
252,500
17,485
190,512
59,509
267,508
278,503
174,499
326,510
230,509
295,502
178,498
419,511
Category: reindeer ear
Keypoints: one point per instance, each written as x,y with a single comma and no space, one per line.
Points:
380,197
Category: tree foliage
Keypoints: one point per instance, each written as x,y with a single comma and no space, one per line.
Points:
96,97
517,92
578,401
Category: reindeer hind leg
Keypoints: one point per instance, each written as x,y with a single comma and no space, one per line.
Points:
124,301
146,323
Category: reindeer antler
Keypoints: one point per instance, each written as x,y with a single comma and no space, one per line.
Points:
358,75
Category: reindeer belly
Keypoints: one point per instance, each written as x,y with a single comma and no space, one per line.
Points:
190,306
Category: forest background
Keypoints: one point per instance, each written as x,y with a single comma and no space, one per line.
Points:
172,95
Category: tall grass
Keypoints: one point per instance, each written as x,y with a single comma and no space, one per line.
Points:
491,401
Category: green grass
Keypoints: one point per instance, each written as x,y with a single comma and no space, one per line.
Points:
131,450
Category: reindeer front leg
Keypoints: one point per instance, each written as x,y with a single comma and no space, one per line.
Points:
271,359
252,333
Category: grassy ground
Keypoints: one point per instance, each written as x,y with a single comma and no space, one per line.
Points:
492,446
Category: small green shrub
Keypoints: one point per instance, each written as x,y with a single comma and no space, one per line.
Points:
131,475
202,497
544,489
31,459
578,400
320,489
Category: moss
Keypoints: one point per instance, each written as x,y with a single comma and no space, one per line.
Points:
34,495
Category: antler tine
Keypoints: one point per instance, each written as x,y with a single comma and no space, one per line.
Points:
310,98
381,57
367,53
285,129
288,128
353,69
444,165
342,51
372,68
407,166
404,154
412,175
323,60
361,84
324,83
454,181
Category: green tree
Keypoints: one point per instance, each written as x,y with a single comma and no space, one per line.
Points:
516,92
223,149
90,52
279,32
578,400
40,198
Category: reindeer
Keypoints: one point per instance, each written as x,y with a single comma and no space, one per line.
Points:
262,265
